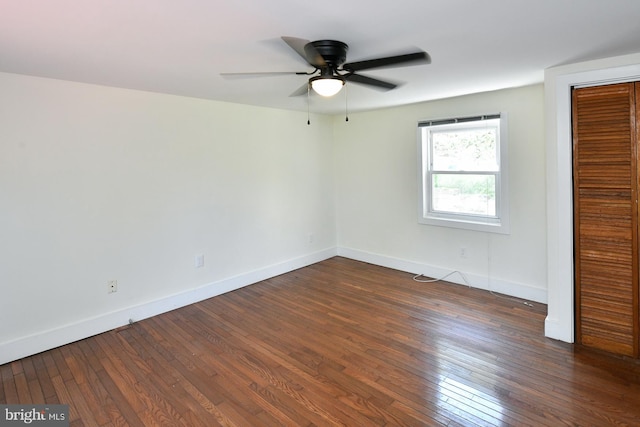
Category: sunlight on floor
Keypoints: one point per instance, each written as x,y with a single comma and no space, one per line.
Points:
462,398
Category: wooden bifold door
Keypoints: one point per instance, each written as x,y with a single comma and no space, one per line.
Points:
605,177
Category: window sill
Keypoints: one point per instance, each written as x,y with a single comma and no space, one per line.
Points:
497,226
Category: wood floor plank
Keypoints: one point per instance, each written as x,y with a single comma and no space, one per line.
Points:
337,343
41,363
22,387
65,396
37,395
3,395
10,392
154,396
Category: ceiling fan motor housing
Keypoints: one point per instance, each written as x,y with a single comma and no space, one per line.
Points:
333,52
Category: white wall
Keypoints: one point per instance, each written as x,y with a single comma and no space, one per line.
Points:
377,195
558,83
100,184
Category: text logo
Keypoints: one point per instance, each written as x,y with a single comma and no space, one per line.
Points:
34,415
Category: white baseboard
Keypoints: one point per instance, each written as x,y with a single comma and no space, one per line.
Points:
46,340
23,347
558,330
517,290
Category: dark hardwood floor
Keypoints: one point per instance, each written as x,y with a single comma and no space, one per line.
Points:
336,343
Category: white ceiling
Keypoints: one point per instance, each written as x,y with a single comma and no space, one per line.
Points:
181,46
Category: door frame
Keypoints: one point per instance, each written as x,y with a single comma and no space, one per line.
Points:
560,321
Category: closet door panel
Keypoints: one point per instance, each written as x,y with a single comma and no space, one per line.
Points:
605,209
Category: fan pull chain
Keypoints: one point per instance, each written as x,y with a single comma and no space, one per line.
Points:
346,103
308,95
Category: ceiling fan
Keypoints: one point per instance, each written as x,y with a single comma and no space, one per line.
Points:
331,71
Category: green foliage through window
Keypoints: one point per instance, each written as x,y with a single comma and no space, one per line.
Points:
462,172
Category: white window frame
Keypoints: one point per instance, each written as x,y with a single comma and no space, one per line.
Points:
427,215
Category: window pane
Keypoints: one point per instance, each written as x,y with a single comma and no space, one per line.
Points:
464,194
465,149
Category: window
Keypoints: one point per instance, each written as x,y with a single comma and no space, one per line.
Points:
463,173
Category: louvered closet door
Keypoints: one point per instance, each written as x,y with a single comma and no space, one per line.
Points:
606,217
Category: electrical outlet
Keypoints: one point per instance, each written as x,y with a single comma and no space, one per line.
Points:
112,286
199,261
463,252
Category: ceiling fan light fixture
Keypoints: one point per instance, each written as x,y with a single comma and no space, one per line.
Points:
327,86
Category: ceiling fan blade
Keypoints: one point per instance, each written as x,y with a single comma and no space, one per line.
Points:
261,74
389,61
302,90
381,84
306,50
